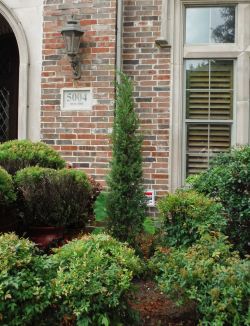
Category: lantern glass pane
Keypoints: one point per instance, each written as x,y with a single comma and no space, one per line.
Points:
76,43
67,41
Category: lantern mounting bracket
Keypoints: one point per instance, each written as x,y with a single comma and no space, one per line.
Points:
76,66
72,34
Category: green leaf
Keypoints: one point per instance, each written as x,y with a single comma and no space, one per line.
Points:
83,322
100,207
149,226
98,230
104,321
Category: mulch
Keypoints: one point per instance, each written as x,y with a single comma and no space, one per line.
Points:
156,309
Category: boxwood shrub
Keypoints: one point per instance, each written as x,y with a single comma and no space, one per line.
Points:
93,278
212,275
7,200
7,192
25,282
18,154
50,197
186,215
228,181
77,195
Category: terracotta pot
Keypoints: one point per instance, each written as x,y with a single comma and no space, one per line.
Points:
45,235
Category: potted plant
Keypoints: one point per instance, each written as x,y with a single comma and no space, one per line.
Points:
51,200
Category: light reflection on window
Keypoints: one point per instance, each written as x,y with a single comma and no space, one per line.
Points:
210,25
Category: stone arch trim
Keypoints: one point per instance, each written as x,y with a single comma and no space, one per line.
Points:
19,33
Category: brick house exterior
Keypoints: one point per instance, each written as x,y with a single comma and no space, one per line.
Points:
118,34
83,137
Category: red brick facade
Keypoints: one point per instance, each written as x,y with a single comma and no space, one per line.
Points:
149,66
83,137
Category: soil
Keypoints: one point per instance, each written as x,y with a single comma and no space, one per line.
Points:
156,309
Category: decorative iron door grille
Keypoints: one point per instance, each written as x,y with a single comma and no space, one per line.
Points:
4,114
9,67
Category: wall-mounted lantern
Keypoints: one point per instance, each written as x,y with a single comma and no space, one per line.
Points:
72,34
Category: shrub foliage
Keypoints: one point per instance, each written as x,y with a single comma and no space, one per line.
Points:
94,274
18,154
7,200
188,214
25,289
228,181
7,192
209,273
85,282
53,197
126,200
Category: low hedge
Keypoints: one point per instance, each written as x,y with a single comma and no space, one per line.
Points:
18,154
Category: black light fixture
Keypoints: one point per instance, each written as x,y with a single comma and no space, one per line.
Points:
72,34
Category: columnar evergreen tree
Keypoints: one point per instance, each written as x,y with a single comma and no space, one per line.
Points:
126,202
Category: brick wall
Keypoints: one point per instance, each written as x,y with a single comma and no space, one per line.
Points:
83,137
149,66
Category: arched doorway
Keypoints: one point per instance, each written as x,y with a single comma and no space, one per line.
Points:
12,24
9,82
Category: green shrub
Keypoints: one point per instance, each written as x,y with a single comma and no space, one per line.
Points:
188,214
76,194
228,181
25,290
126,202
96,189
18,154
7,200
93,278
209,273
53,197
7,192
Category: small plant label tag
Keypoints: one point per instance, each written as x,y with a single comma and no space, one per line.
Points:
150,194
78,99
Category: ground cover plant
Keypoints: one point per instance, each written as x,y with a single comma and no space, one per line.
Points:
18,154
228,182
126,202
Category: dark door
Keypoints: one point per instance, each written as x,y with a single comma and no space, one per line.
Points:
9,75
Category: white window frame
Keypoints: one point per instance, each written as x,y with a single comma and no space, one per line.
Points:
239,51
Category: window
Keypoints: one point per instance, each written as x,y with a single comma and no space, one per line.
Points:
210,108
209,111
208,87
210,25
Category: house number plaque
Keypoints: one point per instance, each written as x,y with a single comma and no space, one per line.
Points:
76,99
